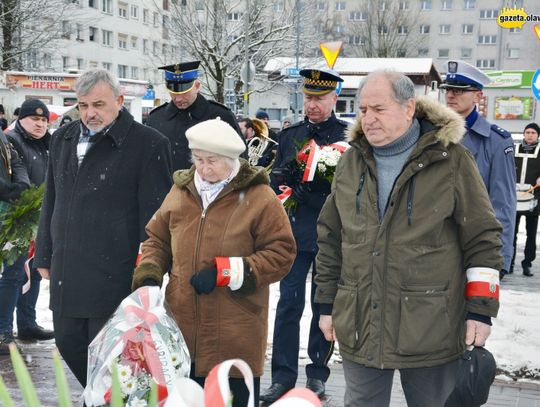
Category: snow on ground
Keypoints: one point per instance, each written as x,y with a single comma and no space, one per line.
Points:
515,338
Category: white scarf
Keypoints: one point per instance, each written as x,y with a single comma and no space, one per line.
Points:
209,191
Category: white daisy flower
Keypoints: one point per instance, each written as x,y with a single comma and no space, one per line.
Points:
124,373
136,402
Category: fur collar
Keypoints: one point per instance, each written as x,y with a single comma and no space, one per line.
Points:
449,124
247,176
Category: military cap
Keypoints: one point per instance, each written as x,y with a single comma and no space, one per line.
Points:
179,78
462,75
320,81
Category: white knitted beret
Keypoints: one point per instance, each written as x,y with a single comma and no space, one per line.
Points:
215,136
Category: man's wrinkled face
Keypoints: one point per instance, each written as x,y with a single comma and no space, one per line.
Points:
99,107
318,108
383,118
184,100
35,126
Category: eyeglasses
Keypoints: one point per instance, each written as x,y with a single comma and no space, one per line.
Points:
458,91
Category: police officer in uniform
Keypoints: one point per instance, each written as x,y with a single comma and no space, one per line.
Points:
186,108
491,146
321,125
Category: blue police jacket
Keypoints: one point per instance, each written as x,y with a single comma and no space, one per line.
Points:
304,218
493,150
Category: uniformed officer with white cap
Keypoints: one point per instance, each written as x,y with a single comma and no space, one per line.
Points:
492,147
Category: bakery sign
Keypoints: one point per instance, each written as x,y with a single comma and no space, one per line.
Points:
40,81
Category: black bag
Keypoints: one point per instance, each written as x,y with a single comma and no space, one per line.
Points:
476,373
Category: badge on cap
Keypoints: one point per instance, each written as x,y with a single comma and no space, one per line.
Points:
39,111
452,67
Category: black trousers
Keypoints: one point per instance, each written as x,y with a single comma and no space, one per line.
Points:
531,226
73,335
238,388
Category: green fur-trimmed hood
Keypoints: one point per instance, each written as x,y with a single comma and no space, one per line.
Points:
449,124
247,176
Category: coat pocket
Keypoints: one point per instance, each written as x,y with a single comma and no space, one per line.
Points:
424,325
344,315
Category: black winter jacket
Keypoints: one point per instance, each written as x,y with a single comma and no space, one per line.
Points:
93,216
13,174
33,152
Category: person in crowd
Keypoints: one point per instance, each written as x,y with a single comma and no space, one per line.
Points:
186,108
107,175
225,237
529,148
409,248
491,146
262,150
246,128
30,139
16,114
287,121
321,125
3,120
262,115
13,180
65,119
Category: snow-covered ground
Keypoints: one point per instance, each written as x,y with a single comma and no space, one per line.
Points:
515,338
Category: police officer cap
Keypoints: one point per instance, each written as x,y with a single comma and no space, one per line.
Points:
320,81
180,78
462,75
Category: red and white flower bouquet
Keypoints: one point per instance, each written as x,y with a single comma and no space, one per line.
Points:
144,343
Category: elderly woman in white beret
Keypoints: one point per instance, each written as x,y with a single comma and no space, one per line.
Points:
225,237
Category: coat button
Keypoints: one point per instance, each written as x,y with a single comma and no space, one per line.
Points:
375,254
420,165
370,358
60,282
375,306
444,154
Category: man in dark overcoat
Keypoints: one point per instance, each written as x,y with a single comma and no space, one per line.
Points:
186,108
107,175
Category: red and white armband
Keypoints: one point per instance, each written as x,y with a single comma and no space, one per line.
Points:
482,282
230,272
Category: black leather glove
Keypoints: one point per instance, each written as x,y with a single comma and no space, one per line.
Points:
301,192
289,174
320,185
149,282
204,281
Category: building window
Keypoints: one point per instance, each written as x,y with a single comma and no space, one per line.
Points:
423,52
122,71
341,5
469,4
514,30
122,41
155,19
134,72
467,28
424,29
321,5
466,53
106,6
134,12
443,53
339,29
92,64
446,5
513,53
357,16
93,3
47,60
487,39
155,48
279,6
489,14
80,32
425,5
145,16
382,30
166,5
122,10
485,63
92,34
403,5
65,63
107,66
66,29
80,64
146,48
106,37
444,29
134,42
235,16
403,30
356,40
